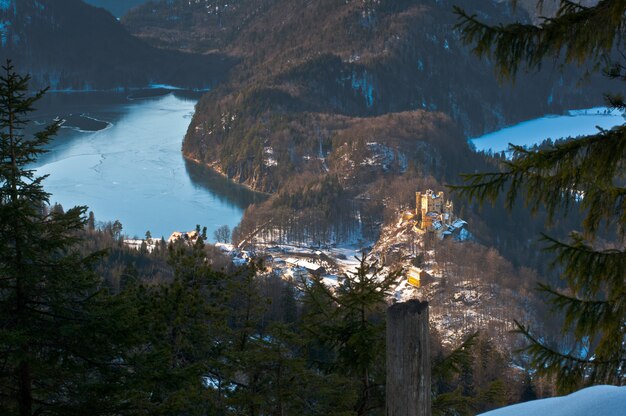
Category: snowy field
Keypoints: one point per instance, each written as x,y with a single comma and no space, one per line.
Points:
529,133
592,401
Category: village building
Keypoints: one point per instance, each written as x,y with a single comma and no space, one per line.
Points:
190,237
418,277
296,274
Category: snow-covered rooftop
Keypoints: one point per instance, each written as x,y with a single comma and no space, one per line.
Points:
308,265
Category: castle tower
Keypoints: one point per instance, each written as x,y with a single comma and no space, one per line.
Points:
438,202
431,207
428,201
418,204
448,212
425,205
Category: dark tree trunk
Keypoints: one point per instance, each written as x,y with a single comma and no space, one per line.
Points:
408,360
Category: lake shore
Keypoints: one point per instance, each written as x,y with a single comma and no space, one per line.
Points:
217,169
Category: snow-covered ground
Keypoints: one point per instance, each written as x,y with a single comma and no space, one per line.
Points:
150,245
343,255
592,401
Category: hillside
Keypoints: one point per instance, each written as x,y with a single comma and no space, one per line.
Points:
388,55
342,110
67,44
302,60
266,151
469,286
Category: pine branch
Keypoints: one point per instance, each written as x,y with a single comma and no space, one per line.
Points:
587,270
496,41
584,315
568,6
615,101
571,371
445,368
453,403
580,32
583,172
588,174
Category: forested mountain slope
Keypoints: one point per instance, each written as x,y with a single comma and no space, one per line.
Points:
355,59
343,109
67,44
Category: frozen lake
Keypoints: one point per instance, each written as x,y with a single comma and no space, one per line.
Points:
131,169
528,133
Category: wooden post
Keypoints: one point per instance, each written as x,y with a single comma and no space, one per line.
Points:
408,360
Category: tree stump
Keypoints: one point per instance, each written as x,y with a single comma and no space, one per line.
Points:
408,360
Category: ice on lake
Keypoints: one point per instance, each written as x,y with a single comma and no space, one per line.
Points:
134,171
528,133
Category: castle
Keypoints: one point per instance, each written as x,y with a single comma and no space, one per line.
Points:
432,212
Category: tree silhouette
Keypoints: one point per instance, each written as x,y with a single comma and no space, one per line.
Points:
56,351
587,173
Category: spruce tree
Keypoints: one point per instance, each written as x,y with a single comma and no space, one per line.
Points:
55,354
348,324
586,174
183,334
448,397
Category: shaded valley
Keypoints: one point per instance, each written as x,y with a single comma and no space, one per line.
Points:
69,45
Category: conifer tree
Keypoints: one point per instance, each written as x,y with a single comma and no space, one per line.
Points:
182,335
586,173
444,370
55,355
349,320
